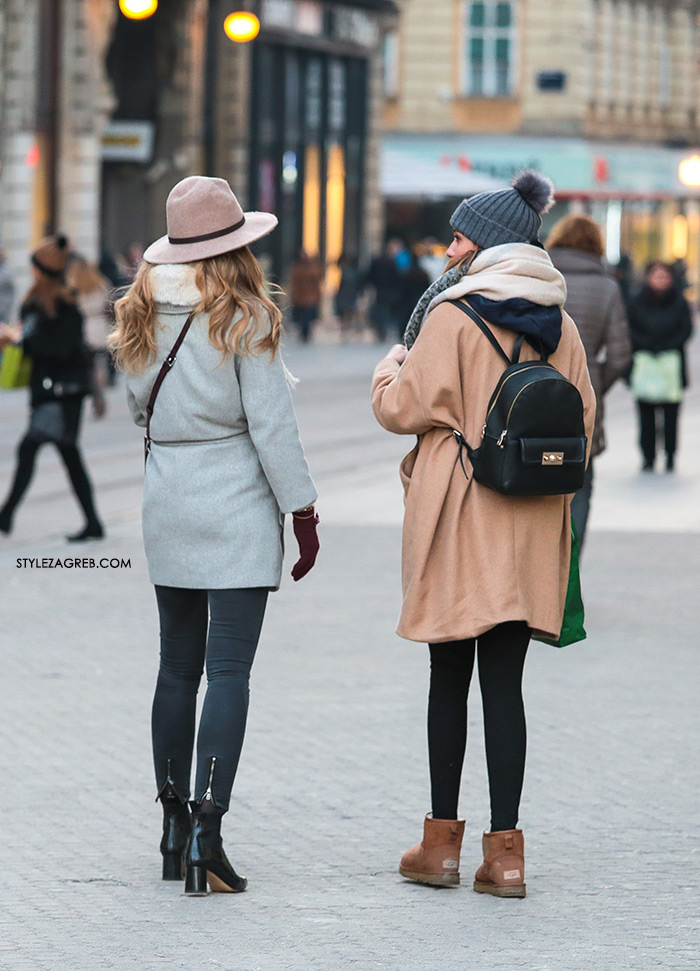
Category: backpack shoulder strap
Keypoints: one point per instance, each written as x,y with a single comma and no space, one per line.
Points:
164,370
485,330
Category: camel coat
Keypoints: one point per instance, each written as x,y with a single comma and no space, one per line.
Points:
472,558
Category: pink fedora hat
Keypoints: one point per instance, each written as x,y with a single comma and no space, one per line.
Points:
205,219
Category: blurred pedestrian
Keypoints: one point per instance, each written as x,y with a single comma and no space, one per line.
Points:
624,274
7,290
383,276
481,570
412,285
679,269
400,254
594,300
431,257
348,294
660,325
52,336
132,260
223,468
117,282
91,290
305,293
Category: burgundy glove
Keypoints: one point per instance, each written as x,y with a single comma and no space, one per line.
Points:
307,538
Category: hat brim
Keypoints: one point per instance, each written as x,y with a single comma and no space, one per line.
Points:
257,225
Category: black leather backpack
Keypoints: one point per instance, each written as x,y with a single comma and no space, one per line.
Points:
534,441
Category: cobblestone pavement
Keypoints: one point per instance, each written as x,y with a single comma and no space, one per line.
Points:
333,781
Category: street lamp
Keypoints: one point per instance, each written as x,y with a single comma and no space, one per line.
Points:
241,26
689,171
138,9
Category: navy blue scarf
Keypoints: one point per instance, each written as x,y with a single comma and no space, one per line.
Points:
541,325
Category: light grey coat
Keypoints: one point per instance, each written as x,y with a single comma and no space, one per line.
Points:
226,462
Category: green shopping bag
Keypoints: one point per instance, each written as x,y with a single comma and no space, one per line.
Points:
657,378
572,629
15,368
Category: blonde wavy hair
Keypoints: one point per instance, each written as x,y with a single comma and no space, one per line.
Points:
230,283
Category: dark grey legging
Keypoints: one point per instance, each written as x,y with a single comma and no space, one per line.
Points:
219,628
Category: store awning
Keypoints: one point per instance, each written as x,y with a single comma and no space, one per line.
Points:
414,170
427,166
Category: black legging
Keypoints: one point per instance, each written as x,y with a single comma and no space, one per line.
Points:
72,459
502,652
226,643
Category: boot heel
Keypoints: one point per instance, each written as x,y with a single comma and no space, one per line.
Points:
173,868
196,881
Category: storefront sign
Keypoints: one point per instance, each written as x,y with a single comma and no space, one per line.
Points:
128,141
576,166
301,16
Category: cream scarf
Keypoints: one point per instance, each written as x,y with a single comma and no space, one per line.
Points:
497,273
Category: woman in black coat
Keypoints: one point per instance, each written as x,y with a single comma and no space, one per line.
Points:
52,336
660,320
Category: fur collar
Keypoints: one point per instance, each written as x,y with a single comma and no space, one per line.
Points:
173,283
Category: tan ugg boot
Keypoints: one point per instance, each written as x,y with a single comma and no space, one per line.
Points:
503,871
436,859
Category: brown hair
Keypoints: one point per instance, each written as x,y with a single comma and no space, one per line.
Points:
47,293
460,260
84,277
577,232
228,283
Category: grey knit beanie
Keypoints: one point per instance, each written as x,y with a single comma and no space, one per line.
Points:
507,216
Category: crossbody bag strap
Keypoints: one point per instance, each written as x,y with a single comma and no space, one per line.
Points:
164,369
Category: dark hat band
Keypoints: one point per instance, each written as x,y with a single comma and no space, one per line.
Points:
182,240
56,274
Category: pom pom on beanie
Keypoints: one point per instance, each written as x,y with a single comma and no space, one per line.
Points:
537,190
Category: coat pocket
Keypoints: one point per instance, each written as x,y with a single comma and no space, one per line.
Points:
408,463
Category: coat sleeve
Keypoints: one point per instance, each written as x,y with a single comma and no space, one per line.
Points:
272,425
426,390
138,416
618,347
684,330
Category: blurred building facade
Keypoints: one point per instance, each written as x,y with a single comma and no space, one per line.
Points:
54,105
100,115
602,95
291,119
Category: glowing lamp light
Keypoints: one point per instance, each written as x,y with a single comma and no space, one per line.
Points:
689,171
138,9
33,156
242,26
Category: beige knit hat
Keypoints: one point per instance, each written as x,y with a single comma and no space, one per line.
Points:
205,219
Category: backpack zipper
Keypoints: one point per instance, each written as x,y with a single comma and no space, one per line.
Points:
495,401
510,410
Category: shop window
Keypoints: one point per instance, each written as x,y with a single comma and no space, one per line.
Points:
391,64
490,49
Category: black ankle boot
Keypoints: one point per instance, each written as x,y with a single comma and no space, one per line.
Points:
5,521
177,829
206,860
91,531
